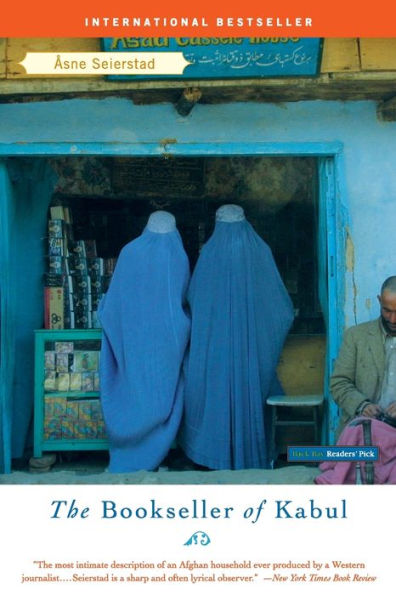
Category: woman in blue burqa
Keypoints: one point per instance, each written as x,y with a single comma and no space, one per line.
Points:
241,314
145,333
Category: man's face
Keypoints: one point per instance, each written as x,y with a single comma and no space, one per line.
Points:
387,301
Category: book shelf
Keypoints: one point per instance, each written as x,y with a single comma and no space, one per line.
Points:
67,410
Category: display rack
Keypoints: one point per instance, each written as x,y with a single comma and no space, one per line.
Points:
67,410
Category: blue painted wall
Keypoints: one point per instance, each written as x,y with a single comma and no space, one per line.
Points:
31,183
7,325
366,186
369,146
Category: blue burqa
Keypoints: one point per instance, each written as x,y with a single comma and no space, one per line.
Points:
241,314
145,334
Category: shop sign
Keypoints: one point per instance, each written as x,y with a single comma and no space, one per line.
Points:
228,57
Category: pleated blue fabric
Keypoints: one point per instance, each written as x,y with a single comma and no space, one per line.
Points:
145,334
241,314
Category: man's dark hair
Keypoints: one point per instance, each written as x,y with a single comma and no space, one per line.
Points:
389,285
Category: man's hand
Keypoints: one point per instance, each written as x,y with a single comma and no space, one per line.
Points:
373,410
391,409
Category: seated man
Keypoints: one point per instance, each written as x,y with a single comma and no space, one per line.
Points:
363,384
364,376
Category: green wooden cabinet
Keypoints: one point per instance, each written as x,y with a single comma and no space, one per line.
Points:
67,409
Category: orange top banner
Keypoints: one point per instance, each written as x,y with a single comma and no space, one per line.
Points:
120,18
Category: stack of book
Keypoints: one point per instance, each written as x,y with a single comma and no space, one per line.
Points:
76,278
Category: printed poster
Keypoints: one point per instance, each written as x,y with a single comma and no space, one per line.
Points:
160,533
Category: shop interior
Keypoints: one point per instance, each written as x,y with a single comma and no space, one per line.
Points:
110,199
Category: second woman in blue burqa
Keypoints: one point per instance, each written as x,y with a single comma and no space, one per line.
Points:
241,314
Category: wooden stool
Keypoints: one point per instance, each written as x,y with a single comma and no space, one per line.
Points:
313,401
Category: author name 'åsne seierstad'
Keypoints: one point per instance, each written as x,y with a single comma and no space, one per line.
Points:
200,509
275,22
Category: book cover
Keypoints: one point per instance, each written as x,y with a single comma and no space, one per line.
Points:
288,110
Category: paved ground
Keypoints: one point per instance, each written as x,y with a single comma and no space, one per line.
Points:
90,468
286,475
293,474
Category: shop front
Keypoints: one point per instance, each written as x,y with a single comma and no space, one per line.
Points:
308,173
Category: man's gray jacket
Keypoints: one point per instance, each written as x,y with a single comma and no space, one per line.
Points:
359,369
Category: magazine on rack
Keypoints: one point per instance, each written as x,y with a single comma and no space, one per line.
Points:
197,296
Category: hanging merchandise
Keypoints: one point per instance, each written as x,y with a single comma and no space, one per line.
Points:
145,333
241,314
